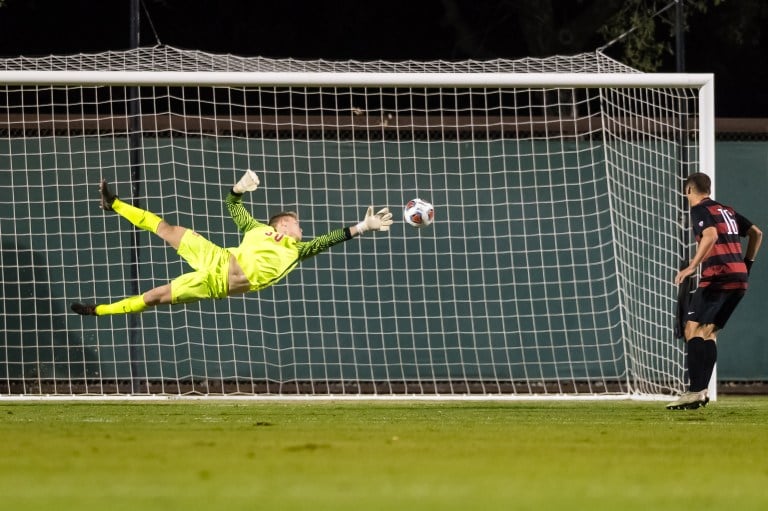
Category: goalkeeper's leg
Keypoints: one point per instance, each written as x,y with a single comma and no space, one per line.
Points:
187,288
131,305
142,219
209,280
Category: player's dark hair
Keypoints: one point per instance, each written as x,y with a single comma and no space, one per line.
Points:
274,219
700,182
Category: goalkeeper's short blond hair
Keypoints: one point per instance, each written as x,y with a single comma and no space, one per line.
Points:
275,219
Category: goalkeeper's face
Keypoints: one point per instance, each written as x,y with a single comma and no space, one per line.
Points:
289,226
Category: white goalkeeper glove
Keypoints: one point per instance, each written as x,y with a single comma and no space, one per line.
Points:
379,221
248,183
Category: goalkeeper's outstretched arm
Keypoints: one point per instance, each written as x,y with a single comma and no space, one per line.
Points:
379,221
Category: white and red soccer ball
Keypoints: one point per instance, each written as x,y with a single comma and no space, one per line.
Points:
419,213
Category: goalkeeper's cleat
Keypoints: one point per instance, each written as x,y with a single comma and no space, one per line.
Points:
690,401
84,309
107,198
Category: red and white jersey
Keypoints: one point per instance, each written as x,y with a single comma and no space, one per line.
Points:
724,267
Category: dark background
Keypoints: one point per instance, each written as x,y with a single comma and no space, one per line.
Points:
727,40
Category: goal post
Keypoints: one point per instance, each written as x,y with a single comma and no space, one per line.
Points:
547,273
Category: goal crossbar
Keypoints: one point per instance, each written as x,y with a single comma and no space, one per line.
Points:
348,79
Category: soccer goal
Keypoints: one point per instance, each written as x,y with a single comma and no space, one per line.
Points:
547,272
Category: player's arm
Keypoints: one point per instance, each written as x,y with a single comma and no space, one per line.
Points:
708,239
380,221
324,242
242,218
685,291
754,239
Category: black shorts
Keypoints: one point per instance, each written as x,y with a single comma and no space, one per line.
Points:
714,307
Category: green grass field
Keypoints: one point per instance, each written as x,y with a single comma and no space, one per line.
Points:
341,455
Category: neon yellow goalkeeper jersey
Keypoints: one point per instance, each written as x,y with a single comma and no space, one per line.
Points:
267,256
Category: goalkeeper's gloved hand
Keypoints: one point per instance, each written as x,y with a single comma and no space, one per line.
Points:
375,222
248,183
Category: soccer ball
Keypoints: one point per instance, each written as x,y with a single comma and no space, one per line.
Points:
419,213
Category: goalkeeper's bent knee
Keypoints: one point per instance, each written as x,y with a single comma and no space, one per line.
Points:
140,218
130,305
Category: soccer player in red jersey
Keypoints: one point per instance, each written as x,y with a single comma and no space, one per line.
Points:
722,284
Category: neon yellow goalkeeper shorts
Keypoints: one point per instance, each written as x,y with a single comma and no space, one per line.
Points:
211,265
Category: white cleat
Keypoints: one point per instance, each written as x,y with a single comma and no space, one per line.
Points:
690,401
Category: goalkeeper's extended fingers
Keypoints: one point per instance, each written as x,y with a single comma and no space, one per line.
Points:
367,223
385,217
254,178
247,183
250,181
379,221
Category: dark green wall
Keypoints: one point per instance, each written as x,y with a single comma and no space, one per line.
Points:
58,246
742,181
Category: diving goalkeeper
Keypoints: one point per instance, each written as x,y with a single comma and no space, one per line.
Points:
268,252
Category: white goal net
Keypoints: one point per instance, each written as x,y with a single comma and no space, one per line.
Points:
547,272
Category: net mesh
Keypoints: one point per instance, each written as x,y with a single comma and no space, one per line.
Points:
547,270
167,58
